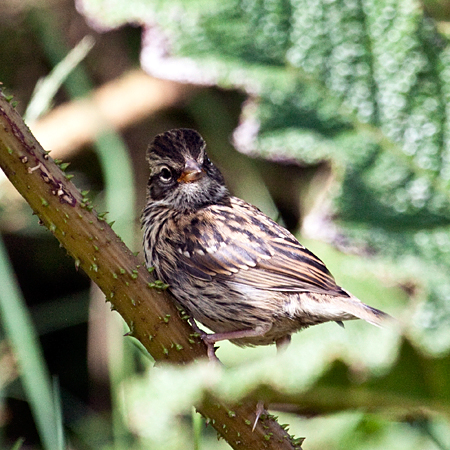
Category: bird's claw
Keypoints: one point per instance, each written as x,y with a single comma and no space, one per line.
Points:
205,337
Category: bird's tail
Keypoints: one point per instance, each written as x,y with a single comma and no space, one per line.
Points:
360,310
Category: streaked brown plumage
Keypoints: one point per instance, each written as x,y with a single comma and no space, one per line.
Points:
228,265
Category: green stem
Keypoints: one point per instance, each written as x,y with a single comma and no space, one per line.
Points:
24,340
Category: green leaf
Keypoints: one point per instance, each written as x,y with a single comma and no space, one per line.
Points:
362,85
414,388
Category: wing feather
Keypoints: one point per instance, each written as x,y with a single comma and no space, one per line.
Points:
248,248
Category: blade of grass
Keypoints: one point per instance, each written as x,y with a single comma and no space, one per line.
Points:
197,428
119,201
119,184
18,444
47,87
34,374
59,425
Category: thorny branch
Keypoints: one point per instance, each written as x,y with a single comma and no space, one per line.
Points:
126,283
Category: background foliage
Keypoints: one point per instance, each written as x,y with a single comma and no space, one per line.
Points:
346,120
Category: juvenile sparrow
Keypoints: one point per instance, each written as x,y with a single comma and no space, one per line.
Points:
227,264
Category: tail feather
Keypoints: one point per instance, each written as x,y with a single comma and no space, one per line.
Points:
365,312
320,308
374,316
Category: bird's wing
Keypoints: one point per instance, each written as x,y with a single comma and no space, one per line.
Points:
241,244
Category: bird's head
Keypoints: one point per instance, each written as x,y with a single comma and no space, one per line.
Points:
181,175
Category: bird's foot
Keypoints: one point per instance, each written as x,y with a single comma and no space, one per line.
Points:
211,349
282,343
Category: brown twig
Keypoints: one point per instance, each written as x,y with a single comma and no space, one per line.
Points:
148,311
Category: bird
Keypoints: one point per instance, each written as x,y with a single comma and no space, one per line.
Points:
227,264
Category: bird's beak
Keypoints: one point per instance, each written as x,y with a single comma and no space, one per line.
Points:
192,172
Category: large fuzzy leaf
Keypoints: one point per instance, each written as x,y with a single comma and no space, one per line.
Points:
414,389
362,84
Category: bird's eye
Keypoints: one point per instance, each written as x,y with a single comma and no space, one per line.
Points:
165,175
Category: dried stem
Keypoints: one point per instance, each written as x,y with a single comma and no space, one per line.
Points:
148,311
116,104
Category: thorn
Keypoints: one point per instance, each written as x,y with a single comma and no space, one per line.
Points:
32,169
340,323
259,411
